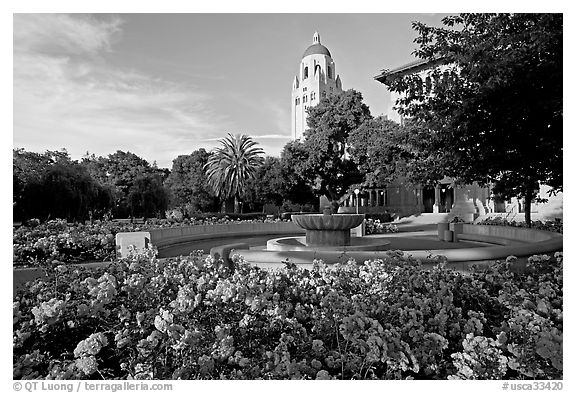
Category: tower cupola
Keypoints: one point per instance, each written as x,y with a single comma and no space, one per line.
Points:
316,80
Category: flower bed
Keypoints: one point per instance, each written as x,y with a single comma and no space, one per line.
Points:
58,240
72,242
187,318
553,226
375,226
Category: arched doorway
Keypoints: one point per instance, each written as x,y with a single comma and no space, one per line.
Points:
428,199
446,198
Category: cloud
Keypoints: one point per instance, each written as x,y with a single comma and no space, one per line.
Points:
272,136
67,95
60,33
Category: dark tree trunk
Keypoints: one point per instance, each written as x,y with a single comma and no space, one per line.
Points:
527,205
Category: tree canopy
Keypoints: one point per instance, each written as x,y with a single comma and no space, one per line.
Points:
119,171
494,105
187,182
147,197
64,190
324,163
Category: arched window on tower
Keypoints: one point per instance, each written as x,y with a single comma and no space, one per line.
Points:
317,70
305,73
329,72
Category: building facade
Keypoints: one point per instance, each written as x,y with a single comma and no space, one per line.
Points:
316,79
465,201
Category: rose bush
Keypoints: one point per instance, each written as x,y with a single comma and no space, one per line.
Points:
554,226
375,226
75,242
191,318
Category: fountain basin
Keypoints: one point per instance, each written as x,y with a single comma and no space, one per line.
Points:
328,230
298,243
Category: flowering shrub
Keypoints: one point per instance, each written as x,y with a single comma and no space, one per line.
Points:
72,242
375,226
58,240
553,226
191,318
174,215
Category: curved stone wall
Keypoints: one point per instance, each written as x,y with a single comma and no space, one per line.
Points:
520,242
164,237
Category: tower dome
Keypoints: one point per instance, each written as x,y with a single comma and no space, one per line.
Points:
316,48
316,79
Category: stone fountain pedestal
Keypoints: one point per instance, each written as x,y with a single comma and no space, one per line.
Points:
328,230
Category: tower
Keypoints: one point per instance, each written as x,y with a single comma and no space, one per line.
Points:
316,79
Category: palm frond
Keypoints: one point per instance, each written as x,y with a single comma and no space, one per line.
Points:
232,164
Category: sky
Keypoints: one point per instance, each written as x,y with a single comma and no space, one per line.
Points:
162,85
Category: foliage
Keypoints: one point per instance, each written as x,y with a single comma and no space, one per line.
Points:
48,187
51,185
230,166
147,197
64,190
492,98
58,240
266,186
374,226
324,163
296,190
120,171
38,244
386,152
187,183
30,165
553,226
188,318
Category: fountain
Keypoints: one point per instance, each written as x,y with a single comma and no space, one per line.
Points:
328,229
327,232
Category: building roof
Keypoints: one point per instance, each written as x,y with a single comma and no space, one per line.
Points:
415,66
316,49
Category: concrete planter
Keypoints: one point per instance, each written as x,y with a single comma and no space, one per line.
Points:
441,228
457,227
448,236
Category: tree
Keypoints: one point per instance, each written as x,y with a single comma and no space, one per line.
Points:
187,182
50,184
27,168
267,185
147,197
325,164
231,165
494,107
295,188
386,152
65,190
119,171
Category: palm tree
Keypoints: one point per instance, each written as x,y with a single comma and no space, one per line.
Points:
231,165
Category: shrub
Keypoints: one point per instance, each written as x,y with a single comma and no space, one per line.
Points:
375,226
174,215
382,217
72,242
191,318
553,226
